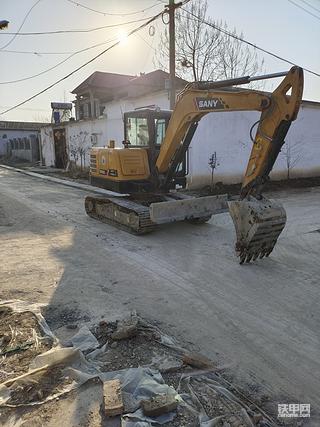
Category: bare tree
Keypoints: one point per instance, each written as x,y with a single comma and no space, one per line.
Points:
79,147
292,152
202,51
213,164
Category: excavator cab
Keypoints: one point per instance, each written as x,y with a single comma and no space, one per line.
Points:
146,128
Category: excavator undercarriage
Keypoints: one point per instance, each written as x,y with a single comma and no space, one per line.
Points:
153,163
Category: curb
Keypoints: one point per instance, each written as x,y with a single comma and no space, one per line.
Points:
64,182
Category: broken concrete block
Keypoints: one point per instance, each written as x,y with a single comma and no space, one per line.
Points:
113,404
196,360
126,329
158,405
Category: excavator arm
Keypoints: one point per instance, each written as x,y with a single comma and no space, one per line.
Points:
278,110
258,221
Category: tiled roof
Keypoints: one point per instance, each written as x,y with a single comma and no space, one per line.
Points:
103,80
120,83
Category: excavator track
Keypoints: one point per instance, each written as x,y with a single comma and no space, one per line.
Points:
122,213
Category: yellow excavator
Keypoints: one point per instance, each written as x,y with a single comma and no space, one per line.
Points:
152,164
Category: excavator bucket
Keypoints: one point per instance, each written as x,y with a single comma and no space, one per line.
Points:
258,224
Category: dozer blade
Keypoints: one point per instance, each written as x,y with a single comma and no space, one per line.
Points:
258,224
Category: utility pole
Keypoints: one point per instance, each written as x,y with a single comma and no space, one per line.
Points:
172,53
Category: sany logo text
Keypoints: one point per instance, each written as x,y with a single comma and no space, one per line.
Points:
210,104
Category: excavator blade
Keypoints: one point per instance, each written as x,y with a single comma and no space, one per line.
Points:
258,224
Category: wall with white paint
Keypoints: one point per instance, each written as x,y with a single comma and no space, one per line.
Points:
226,133
97,132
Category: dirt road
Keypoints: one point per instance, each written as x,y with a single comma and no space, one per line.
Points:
263,318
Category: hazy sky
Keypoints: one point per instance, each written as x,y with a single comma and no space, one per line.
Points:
276,25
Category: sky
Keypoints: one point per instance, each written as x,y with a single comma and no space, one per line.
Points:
279,26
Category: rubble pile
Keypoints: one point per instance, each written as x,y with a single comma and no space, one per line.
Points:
125,374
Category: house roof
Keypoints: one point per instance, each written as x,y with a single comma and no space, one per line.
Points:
102,80
122,85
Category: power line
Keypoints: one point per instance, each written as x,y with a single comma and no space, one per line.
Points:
59,63
30,52
303,8
310,5
22,24
40,33
112,14
82,66
248,43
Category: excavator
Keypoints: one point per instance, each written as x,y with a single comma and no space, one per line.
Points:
147,171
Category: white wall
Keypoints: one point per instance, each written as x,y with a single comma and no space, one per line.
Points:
99,131
84,133
47,145
227,134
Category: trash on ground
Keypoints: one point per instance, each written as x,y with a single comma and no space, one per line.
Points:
131,370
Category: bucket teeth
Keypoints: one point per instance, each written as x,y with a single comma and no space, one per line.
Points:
258,224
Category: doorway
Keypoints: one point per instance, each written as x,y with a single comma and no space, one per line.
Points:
60,148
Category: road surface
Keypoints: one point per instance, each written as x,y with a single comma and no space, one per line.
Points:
263,318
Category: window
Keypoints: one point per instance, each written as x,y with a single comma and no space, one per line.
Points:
27,144
160,125
137,131
21,144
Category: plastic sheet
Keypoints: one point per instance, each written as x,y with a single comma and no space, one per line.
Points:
84,340
142,384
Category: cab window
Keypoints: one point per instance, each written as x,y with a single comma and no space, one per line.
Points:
137,131
160,126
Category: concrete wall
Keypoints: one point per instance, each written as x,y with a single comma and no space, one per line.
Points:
227,134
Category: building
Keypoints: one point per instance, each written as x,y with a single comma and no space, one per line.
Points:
20,140
100,103
102,99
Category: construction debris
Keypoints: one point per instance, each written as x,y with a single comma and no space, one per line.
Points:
113,404
123,379
126,329
196,360
159,405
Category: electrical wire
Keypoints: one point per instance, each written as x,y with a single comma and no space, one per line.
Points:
30,52
40,33
22,24
59,63
310,5
268,52
112,14
146,42
82,66
303,8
